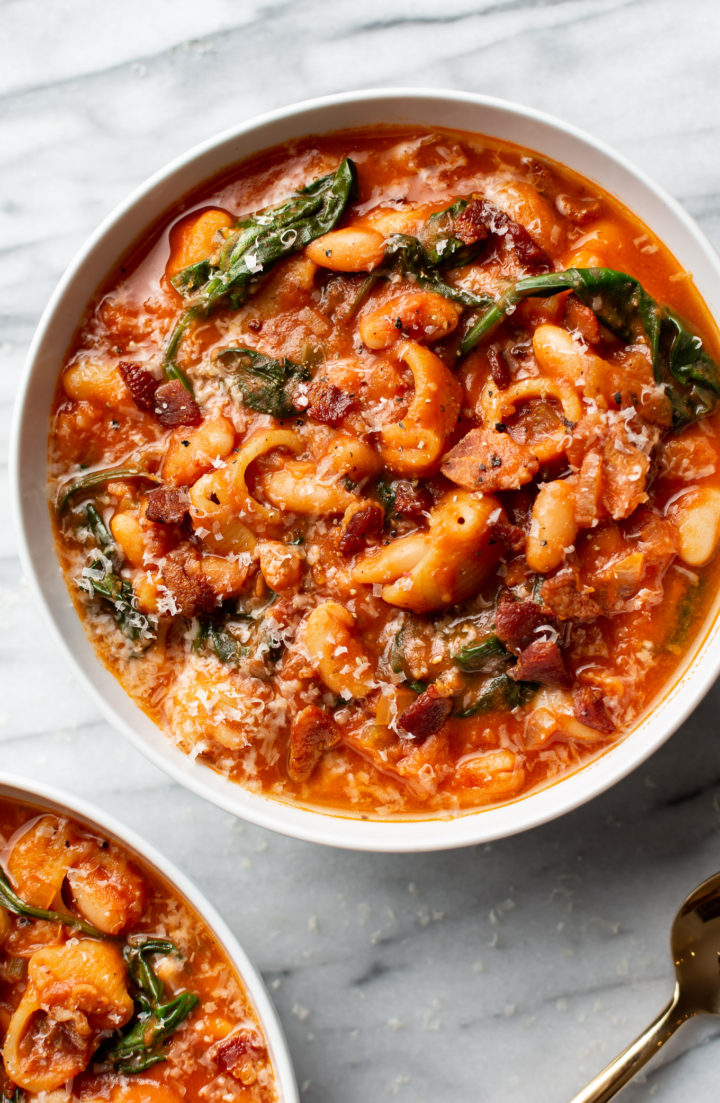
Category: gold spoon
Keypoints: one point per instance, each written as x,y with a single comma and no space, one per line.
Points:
695,945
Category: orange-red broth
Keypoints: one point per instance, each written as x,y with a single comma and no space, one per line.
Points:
240,724
54,862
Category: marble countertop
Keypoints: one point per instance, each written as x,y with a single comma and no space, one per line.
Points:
502,973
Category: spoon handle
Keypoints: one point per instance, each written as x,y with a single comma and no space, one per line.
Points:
615,1075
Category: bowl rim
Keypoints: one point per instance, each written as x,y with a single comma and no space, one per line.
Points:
326,826
15,787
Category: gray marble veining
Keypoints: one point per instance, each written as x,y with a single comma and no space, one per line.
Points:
505,973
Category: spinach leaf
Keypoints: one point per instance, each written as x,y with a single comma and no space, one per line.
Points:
12,903
501,693
442,247
141,1044
97,478
250,250
408,255
225,646
102,578
265,383
689,375
473,656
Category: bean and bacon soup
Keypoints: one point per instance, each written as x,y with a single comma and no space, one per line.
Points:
385,473
112,990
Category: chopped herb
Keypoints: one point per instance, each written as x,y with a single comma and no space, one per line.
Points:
386,496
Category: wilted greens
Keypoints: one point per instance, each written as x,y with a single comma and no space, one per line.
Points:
474,656
12,903
689,375
102,577
253,247
501,693
265,384
97,478
141,1044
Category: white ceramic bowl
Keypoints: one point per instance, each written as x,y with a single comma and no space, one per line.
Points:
20,789
126,224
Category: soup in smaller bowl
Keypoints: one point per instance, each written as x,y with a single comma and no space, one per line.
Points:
114,988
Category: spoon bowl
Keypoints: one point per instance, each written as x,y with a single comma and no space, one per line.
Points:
695,945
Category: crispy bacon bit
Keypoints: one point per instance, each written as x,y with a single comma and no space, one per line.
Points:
167,504
182,575
237,1050
427,715
582,319
512,536
578,208
469,225
313,732
479,212
487,460
141,383
589,708
517,623
361,522
411,500
174,405
542,662
328,403
499,369
560,593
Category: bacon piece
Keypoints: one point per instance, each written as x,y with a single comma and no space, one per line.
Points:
174,405
560,593
488,460
541,661
426,716
182,575
410,500
361,521
237,1050
167,504
141,383
469,225
329,403
313,732
499,369
589,708
517,622
512,536
481,213
582,319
